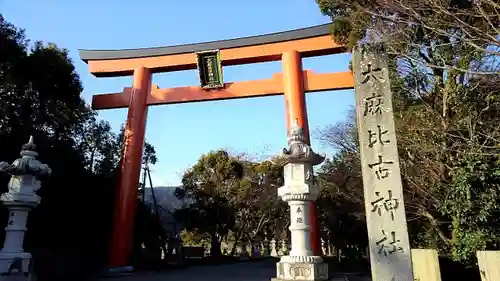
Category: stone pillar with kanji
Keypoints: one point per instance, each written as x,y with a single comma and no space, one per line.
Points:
388,239
20,199
299,188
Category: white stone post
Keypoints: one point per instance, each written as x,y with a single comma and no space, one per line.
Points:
285,247
299,188
281,247
274,253
265,247
20,199
324,248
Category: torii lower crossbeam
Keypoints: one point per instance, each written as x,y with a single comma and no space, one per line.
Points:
313,82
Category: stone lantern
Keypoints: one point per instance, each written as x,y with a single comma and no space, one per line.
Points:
299,188
20,199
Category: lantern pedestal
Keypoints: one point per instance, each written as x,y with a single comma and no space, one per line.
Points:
13,259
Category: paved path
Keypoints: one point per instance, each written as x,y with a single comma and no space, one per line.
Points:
246,271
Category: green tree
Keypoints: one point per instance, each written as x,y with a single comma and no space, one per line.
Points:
211,185
444,64
149,154
232,198
258,209
40,96
340,204
97,144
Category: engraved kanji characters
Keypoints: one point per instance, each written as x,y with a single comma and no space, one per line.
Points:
299,219
381,172
388,245
372,73
388,204
373,104
377,136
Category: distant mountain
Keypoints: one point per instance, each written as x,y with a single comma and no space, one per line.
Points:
167,204
165,197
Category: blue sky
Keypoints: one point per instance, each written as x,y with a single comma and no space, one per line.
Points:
181,133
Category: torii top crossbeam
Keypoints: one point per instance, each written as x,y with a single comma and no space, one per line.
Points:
309,42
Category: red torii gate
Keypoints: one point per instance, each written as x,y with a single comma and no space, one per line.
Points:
289,47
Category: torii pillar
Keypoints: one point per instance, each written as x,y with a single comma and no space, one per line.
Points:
130,170
296,111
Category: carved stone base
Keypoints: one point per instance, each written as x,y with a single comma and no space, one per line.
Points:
288,271
14,264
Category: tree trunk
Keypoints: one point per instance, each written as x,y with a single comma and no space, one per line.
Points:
236,241
215,249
